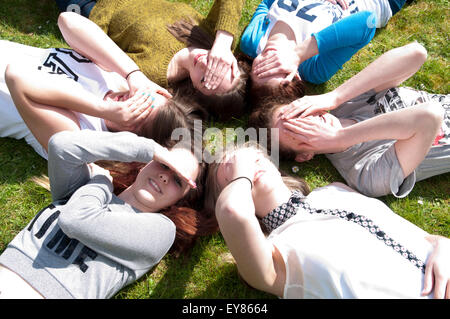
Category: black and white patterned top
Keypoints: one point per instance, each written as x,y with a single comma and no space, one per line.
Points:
282,213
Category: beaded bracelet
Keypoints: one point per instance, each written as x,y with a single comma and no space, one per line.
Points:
251,183
126,78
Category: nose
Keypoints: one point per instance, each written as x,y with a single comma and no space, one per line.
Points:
163,178
203,61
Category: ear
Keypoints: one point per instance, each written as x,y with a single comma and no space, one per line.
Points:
303,157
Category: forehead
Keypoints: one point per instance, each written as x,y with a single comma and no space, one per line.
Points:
272,80
186,161
160,100
284,139
276,114
222,173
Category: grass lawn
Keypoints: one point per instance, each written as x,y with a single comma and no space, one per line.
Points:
208,272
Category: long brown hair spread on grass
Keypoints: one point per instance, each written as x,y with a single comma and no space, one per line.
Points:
222,106
291,90
178,112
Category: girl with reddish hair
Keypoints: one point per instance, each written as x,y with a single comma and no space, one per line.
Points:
93,240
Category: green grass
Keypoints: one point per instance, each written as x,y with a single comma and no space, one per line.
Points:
208,271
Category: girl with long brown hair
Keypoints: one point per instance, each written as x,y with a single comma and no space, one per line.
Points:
329,243
167,42
44,91
298,42
382,138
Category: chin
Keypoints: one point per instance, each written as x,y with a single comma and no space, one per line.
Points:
146,199
264,186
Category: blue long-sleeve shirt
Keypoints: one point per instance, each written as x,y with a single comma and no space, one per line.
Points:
338,37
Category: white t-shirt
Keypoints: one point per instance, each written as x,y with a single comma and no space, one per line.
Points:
380,8
310,16
330,257
60,62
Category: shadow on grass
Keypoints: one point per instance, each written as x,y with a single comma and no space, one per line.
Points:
30,17
228,285
191,276
174,283
19,162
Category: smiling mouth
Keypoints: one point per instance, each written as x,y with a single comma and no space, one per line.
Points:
155,186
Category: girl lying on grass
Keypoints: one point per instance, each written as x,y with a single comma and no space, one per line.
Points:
329,243
94,239
44,91
381,138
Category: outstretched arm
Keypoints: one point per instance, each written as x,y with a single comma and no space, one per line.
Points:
85,37
414,128
46,101
389,70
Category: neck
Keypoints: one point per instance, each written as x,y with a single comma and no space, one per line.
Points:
179,66
274,199
281,32
129,197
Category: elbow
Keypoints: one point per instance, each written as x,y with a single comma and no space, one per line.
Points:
65,19
416,53
231,213
67,223
226,211
64,223
59,143
13,76
429,117
69,21
419,51
368,23
435,115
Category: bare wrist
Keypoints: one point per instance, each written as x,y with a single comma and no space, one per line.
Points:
223,38
132,72
307,49
341,140
335,99
102,108
159,151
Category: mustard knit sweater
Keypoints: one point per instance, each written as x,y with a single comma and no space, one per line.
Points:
138,27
